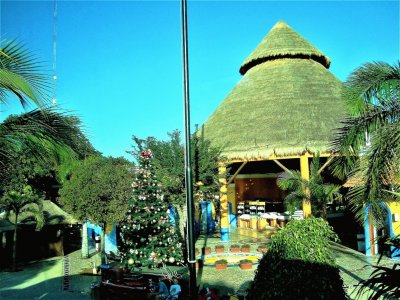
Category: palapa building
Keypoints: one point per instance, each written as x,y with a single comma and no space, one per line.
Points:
282,112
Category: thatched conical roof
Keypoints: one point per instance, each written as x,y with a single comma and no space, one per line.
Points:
281,42
287,102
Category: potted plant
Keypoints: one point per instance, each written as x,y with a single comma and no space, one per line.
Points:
221,264
235,248
246,264
207,250
245,248
262,248
219,248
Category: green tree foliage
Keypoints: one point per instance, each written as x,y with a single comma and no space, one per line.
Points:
169,164
148,237
22,75
368,143
314,190
16,202
98,189
299,264
34,145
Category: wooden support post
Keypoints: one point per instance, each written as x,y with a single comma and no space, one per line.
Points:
236,173
223,199
325,165
282,166
305,174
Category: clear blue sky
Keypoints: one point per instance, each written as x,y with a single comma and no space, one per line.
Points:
119,64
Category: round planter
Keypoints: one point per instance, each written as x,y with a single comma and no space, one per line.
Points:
219,250
235,249
245,249
207,251
221,266
246,266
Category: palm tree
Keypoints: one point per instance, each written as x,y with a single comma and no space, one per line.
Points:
314,190
21,74
17,202
368,143
46,134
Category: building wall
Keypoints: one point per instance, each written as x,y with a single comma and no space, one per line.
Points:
395,209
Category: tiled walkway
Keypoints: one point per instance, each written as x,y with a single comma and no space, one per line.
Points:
44,280
354,266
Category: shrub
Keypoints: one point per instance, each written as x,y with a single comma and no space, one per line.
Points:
219,247
299,264
245,261
245,246
221,262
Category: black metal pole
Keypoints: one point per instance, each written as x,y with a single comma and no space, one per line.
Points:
188,174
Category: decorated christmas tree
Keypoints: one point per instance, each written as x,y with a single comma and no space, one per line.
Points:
148,238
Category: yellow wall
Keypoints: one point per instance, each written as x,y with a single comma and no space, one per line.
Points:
395,208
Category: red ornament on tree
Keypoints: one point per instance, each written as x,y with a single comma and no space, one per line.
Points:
146,154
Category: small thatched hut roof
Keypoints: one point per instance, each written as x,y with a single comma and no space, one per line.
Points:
287,102
53,215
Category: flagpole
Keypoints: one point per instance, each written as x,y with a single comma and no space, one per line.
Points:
188,174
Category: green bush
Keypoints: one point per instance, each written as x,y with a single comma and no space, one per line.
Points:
299,264
221,262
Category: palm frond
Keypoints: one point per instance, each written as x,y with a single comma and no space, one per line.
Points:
22,74
376,168
384,282
46,134
375,80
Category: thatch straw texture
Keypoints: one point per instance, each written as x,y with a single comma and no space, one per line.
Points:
53,215
281,107
281,42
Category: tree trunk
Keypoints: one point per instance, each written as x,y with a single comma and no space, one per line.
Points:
103,245
14,254
85,245
324,211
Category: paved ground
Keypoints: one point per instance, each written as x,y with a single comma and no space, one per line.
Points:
354,266
45,279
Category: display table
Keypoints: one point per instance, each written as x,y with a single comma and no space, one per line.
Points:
244,221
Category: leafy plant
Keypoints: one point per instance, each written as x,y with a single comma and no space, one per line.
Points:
221,262
245,261
368,144
384,281
314,190
17,202
299,257
98,189
219,247
22,75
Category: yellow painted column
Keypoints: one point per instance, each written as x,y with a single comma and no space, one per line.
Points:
223,198
305,174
